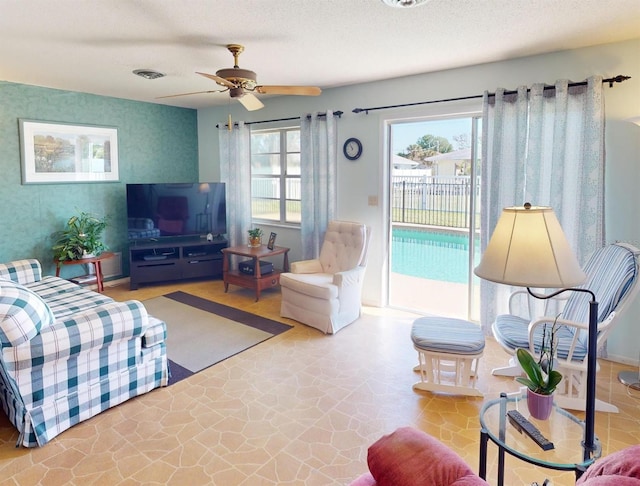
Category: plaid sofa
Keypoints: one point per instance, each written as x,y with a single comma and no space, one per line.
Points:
68,353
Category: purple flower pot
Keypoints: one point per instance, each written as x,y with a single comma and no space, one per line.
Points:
540,406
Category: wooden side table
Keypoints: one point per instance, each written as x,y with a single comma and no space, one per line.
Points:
257,281
97,266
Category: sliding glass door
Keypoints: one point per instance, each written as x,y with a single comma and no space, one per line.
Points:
434,190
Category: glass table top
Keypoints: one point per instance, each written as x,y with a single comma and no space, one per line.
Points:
563,429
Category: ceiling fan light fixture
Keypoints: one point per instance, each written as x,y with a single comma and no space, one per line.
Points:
243,77
236,92
148,73
404,3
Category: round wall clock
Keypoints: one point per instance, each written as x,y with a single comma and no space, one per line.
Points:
352,148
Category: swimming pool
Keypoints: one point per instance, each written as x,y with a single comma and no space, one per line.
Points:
432,254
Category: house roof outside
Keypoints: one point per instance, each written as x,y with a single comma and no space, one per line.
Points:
462,154
94,47
400,162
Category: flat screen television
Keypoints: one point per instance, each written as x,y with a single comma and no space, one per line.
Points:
173,210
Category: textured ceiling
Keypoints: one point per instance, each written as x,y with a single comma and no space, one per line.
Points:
93,46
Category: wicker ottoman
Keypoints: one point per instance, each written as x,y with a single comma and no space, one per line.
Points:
448,352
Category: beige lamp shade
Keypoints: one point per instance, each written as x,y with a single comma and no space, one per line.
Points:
529,249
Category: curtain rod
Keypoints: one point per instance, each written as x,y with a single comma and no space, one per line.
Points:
335,113
617,79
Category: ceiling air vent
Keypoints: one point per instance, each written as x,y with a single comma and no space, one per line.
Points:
404,3
148,74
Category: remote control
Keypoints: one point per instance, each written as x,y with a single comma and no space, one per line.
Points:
523,425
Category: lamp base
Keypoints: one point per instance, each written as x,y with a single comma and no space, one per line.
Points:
630,378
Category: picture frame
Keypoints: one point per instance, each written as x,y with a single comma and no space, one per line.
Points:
54,152
272,241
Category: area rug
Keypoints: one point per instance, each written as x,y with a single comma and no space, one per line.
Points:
201,333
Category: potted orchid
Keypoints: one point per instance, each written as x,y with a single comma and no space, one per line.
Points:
541,380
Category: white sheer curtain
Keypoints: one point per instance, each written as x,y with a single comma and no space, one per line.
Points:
318,158
235,171
545,147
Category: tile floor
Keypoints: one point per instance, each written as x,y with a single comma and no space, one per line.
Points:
299,409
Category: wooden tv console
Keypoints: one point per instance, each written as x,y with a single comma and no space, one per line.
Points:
170,259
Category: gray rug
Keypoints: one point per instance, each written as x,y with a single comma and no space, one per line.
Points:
201,333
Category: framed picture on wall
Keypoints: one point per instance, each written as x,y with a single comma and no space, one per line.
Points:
53,152
272,241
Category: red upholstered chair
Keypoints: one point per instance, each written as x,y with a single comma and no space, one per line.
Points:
621,468
407,456
173,212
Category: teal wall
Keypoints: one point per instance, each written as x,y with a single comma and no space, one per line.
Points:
156,143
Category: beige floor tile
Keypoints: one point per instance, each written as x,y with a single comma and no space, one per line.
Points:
298,409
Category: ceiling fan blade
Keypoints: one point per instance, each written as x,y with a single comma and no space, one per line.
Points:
250,102
187,94
218,80
290,90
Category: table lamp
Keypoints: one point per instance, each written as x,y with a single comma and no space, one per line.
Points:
529,249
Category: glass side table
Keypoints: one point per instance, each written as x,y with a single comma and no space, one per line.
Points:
563,429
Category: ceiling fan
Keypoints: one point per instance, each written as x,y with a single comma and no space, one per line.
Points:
242,83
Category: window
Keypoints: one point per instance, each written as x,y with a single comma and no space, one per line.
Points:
275,175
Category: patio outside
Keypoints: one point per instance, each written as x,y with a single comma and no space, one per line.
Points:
442,204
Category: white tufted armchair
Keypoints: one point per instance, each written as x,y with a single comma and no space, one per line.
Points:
325,292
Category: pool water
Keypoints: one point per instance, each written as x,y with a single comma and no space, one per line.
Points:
433,255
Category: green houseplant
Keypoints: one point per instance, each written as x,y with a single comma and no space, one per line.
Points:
541,380
255,237
81,238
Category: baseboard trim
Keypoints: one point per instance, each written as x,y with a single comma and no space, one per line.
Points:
622,360
116,282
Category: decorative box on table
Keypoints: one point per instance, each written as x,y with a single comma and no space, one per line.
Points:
249,266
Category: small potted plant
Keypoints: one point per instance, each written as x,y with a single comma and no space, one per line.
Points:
81,238
542,379
255,237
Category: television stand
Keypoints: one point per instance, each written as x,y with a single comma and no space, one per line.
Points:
171,259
